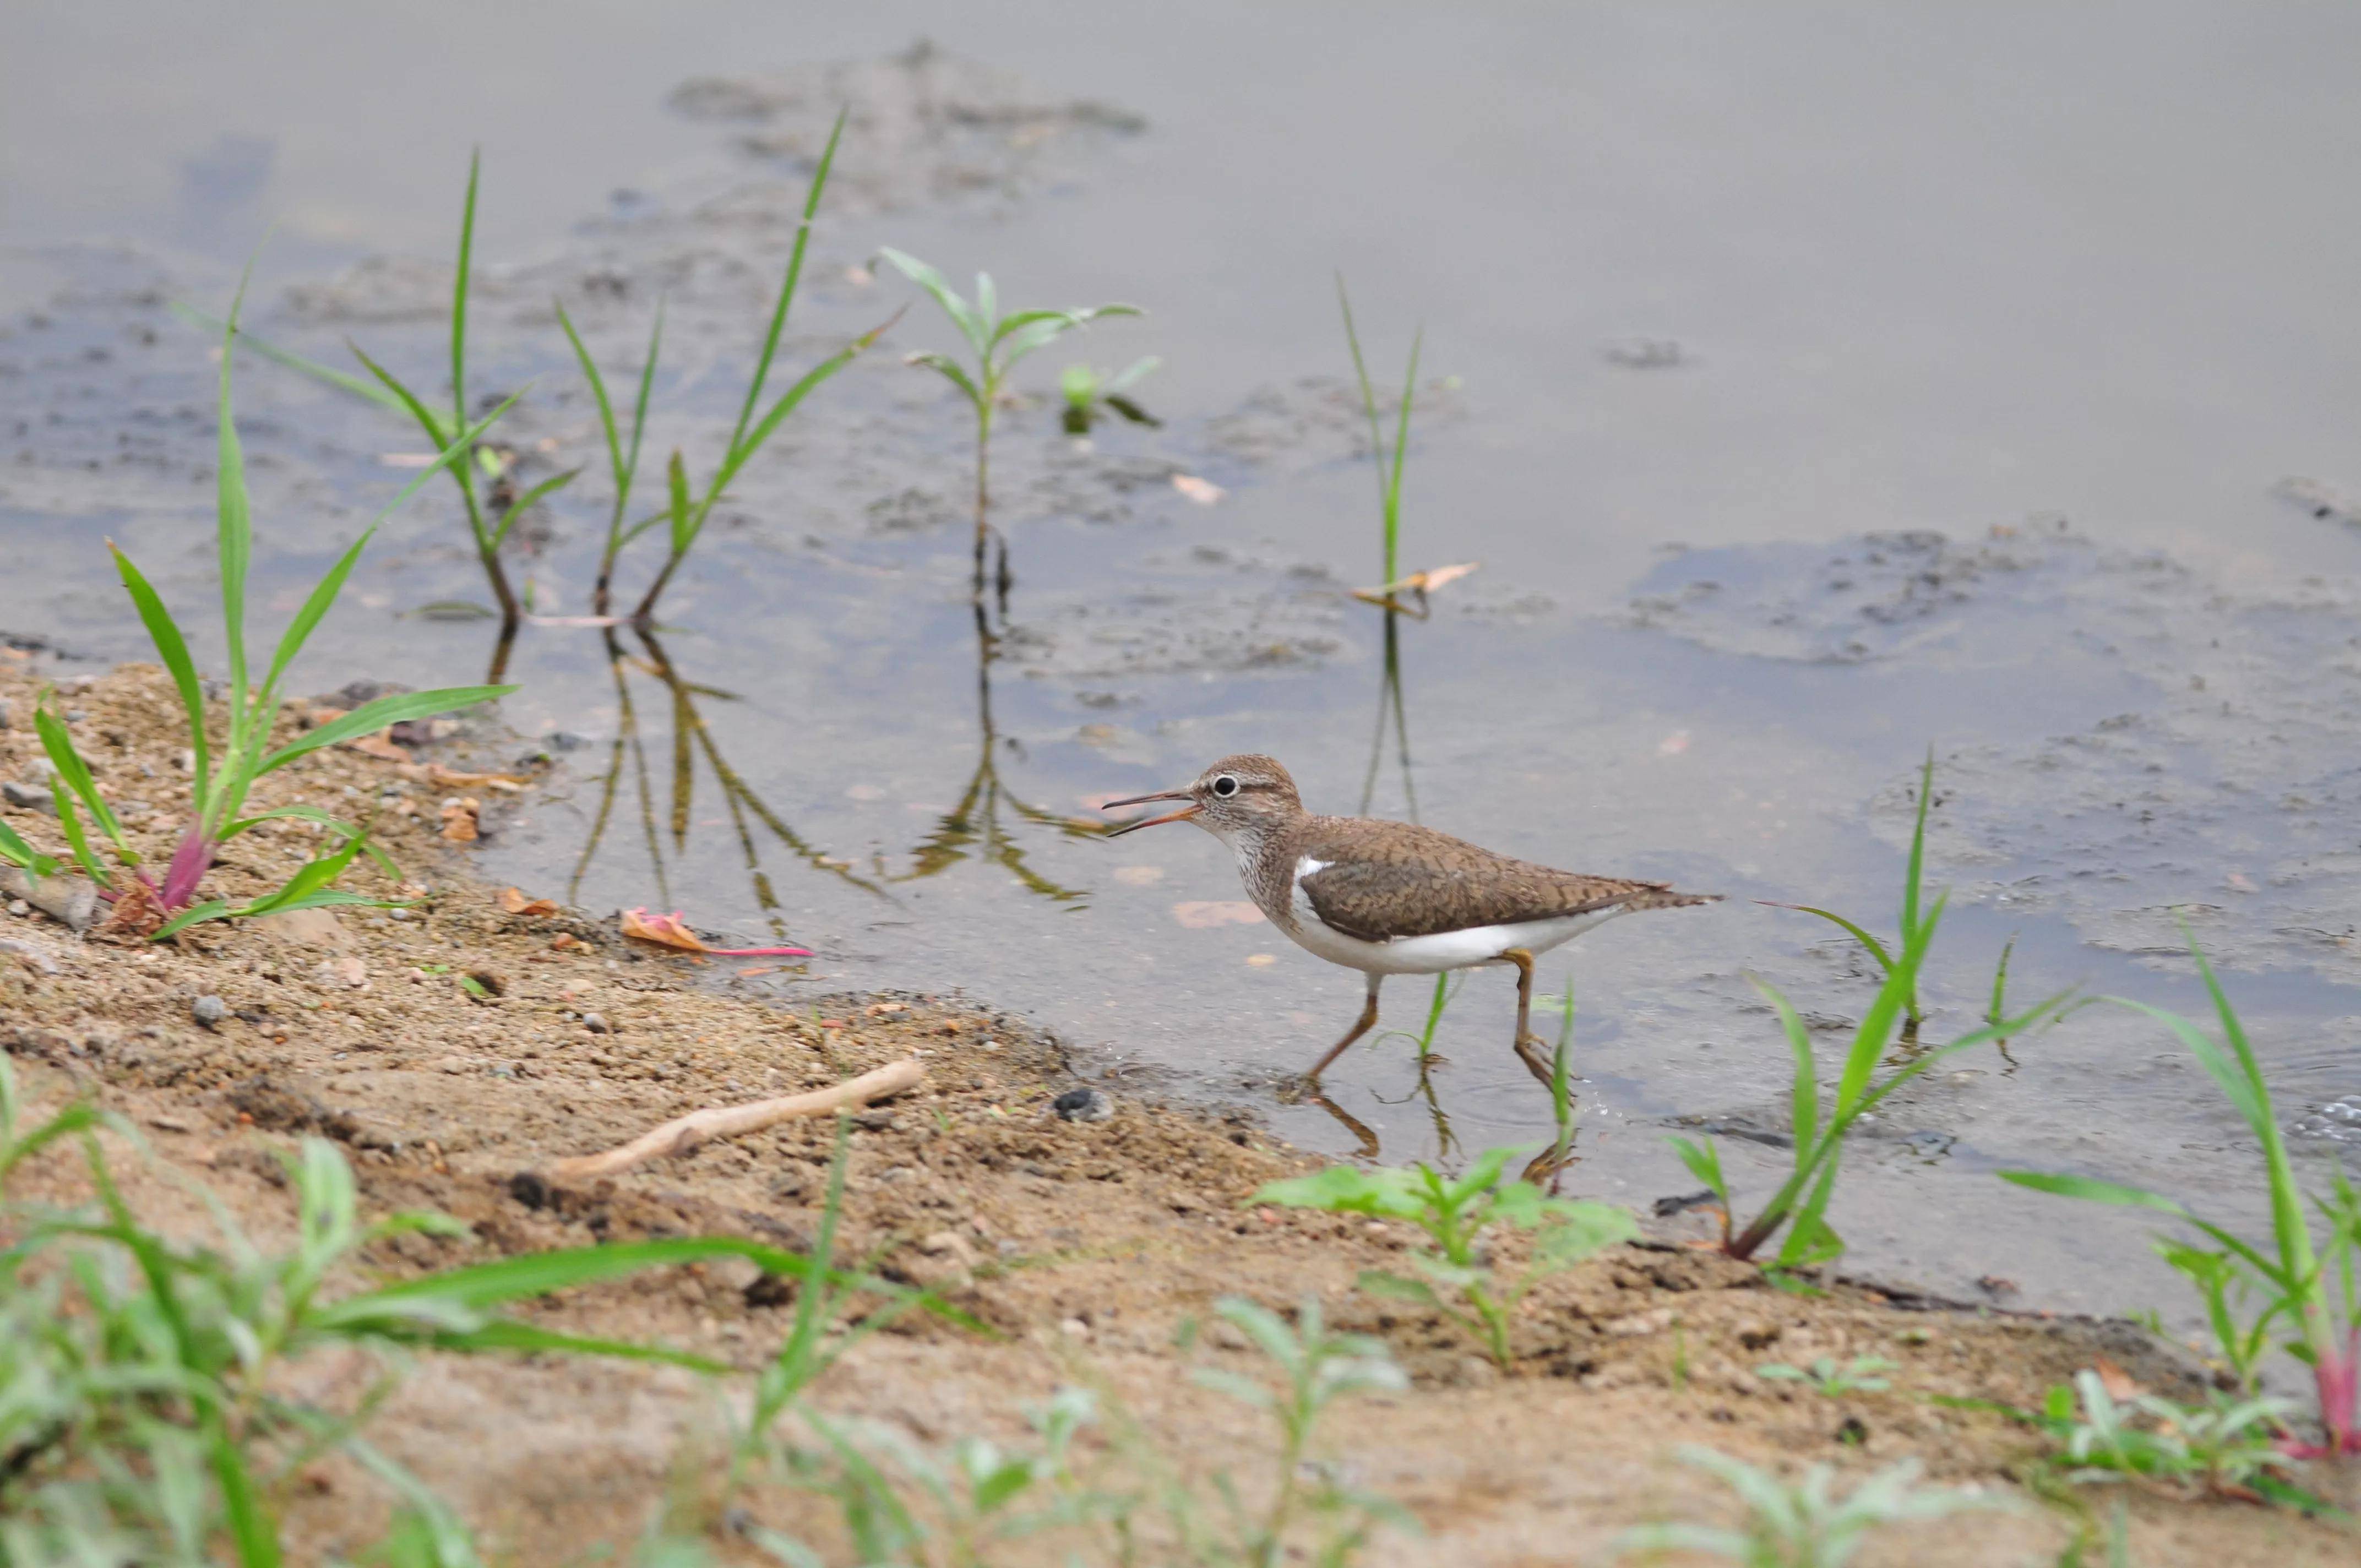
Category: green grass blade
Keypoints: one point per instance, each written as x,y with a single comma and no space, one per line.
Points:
312,877
1401,451
788,284
973,328
786,404
69,821
1805,1096
1704,1161
373,716
307,620
174,651
528,1339
234,520
215,909
1025,340
1876,948
341,381
1917,850
1877,1025
484,1286
251,1530
952,371
530,499
459,296
427,421
1368,404
314,814
598,391
74,774
684,533
17,852
640,407
2091,1189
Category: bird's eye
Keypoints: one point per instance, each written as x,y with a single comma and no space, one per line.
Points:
1226,786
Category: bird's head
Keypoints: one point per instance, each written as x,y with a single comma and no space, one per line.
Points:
1245,796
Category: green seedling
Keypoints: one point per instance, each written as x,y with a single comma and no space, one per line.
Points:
442,431
16,853
998,343
1454,1278
2306,1284
622,457
1090,393
684,515
225,771
1913,896
1801,1204
2228,1447
155,1411
1389,461
1802,1524
1862,1375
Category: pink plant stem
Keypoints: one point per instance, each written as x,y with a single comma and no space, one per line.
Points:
190,863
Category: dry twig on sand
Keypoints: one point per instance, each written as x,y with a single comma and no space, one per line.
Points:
684,1133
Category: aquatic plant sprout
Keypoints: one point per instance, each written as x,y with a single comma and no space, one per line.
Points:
622,459
2306,1284
1088,389
683,518
1389,462
1801,1204
221,777
998,343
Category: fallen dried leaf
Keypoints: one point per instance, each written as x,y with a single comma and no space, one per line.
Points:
672,931
1200,915
461,820
380,744
136,916
2119,1384
1418,585
884,1009
1204,492
514,900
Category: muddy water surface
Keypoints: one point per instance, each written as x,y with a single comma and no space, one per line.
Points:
1813,388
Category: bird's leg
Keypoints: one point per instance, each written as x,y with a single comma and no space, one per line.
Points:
1367,1021
1528,1043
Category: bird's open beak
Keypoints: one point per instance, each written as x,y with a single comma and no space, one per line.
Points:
1181,816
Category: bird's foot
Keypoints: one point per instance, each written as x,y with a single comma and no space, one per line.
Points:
1529,1050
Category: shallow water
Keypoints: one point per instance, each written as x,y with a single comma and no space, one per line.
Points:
1948,283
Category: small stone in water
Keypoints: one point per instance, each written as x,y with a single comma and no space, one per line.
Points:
208,1010
1082,1105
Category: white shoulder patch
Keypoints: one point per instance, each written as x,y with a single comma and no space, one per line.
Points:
1307,866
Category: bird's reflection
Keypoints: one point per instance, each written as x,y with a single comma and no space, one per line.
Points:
976,827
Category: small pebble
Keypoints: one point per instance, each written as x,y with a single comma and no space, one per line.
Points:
595,1022
397,913
29,797
18,906
1082,1105
208,1011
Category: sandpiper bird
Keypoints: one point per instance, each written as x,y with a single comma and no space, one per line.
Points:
1393,897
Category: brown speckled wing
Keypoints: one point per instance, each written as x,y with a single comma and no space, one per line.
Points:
1386,879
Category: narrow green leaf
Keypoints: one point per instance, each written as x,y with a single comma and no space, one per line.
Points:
527,501
527,1339
459,295
788,284
251,1528
953,372
1804,1098
56,739
599,392
17,852
234,521
214,909
174,651
375,716
971,325
314,814
342,380
1917,851
683,533
2094,1191
786,404
427,421
70,820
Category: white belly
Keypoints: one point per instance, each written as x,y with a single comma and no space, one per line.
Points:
1443,950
